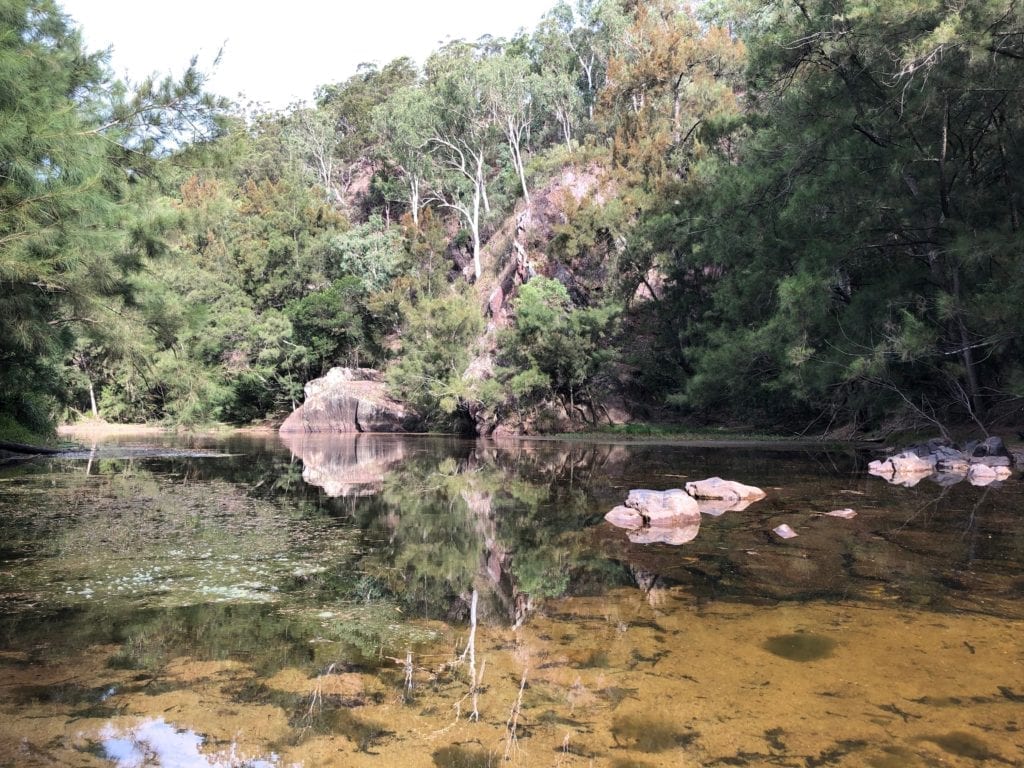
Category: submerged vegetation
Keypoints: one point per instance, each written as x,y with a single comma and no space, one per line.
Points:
800,216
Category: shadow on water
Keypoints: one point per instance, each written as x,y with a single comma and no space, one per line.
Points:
800,646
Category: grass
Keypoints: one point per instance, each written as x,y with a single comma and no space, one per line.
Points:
13,432
643,431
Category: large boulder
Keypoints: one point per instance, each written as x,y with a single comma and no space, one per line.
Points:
903,464
349,400
723,490
663,507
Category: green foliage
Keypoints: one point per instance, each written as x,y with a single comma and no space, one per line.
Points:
554,348
833,239
78,156
328,324
834,258
436,347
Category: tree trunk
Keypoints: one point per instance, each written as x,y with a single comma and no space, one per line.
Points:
479,192
517,160
92,401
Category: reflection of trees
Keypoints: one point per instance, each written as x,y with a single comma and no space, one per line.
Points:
454,524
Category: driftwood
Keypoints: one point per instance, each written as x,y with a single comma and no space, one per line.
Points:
12,451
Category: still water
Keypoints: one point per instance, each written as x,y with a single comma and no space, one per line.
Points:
420,601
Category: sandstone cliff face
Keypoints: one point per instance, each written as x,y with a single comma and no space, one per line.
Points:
349,400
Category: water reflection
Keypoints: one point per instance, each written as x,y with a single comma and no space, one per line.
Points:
346,465
157,743
870,637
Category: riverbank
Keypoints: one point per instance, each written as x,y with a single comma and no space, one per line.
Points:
103,429
648,434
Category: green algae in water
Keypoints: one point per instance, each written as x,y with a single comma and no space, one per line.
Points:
800,646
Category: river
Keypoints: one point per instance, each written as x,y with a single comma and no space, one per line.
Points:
428,601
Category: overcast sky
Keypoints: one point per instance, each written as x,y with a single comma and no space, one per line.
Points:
277,52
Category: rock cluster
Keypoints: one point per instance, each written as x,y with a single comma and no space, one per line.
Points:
980,462
673,516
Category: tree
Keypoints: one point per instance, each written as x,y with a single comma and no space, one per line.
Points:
404,124
511,92
877,182
437,340
551,340
77,151
462,139
581,39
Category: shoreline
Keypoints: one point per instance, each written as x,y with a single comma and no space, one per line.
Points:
94,430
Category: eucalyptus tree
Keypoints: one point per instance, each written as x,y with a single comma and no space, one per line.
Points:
511,94
581,38
404,125
463,139
340,135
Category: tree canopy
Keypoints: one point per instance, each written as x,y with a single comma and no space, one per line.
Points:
796,215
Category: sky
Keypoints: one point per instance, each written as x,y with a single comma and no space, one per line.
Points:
278,52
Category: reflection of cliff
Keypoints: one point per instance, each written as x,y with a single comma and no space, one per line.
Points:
346,464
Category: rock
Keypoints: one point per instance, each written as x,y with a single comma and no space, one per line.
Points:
991,461
662,507
933,446
982,474
948,459
725,490
846,514
784,531
349,400
902,465
990,446
624,517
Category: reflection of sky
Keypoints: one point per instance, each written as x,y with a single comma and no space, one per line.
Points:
157,743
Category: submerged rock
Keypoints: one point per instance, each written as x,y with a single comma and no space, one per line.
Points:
624,517
784,531
846,514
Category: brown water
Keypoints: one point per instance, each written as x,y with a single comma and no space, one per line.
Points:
238,603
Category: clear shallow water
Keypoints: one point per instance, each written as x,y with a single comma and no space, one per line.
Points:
242,602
